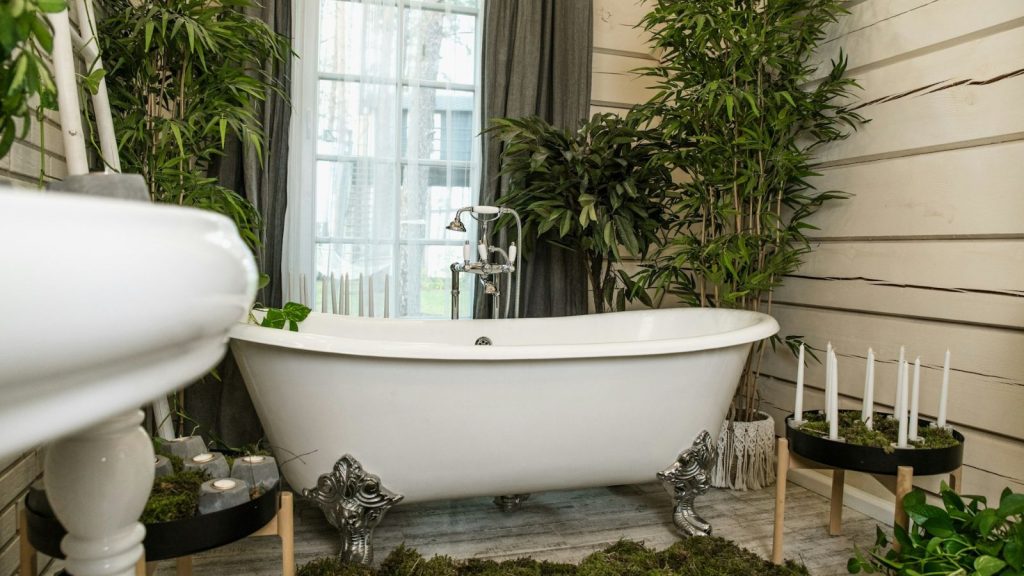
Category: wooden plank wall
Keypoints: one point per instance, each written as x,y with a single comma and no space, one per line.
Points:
929,250
42,148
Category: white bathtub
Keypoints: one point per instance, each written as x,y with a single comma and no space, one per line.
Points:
554,403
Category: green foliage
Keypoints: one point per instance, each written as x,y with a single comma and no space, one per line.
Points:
291,314
174,497
731,99
689,557
590,190
963,537
182,75
883,434
25,39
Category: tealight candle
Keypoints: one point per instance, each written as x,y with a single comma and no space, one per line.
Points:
224,484
253,459
204,457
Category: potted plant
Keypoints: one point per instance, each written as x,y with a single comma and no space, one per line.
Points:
25,42
591,191
739,97
964,536
182,76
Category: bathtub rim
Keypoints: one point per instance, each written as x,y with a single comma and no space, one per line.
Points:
762,327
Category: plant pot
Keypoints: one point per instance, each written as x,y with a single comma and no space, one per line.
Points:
164,540
874,460
746,454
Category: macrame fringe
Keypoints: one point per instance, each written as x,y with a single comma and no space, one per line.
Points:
746,455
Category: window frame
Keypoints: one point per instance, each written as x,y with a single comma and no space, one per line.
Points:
302,239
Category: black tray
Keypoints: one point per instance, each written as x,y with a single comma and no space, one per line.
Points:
925,462
164,540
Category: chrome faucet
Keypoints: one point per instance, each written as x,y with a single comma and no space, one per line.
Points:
486,270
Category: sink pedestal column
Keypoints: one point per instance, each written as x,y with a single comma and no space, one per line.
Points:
98,482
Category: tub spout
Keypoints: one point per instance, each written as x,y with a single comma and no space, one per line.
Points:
690,476
354,502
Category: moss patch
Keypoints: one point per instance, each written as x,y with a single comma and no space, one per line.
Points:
174,497
884,434
689,557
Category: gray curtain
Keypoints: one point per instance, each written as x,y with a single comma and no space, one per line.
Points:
222,407
537,62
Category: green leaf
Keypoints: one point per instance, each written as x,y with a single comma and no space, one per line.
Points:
988,565
51,6
150,25
1010,505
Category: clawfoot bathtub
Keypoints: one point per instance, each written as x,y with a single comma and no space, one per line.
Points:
389,411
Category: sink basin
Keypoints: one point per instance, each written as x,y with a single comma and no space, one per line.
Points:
107,304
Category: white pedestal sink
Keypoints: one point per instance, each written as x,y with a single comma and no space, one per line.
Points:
105,305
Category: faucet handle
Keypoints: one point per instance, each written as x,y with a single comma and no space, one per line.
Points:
481,248
466,252
512,253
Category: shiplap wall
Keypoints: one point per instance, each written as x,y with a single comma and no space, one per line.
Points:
929,250
41,147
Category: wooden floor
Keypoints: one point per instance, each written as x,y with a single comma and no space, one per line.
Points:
562,526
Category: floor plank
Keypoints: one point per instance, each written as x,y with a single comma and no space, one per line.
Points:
564,527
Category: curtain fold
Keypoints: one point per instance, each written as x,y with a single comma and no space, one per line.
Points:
223,407
537,62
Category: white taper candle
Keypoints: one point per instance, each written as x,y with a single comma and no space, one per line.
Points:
369,296
335,301
915,399
828,382
899,382
362,300
303,290
944,393
323,294
387,296
833,424
904,390
345,294
867,414
798,404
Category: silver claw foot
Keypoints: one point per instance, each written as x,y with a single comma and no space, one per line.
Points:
511,502
354,503
690,476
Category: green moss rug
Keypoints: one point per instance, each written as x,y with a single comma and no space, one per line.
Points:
689,557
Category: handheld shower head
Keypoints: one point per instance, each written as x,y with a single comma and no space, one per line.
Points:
456,224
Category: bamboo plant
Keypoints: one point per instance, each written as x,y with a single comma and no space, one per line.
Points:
25,44
591,191
741,96
183,75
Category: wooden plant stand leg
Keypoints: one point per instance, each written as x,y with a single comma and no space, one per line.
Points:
286,530
27,554
956,480
780,499
835,513
904,484
140,566
283,525
184,565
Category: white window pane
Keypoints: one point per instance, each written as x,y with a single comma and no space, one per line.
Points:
437,124
357,119
356,200
358,38
440,47
429,202
425,277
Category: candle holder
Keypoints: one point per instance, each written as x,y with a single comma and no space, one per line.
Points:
874,459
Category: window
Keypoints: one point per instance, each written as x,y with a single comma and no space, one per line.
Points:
394,141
